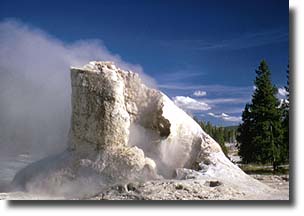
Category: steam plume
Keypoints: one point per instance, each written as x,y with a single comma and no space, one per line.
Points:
35,86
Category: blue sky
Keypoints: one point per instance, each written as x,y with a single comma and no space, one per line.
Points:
202,53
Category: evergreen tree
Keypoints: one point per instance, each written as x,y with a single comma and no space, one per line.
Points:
209,128
261,133
285,110
244,137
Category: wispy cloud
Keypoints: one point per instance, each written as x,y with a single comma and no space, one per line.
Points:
190,104
241,41
199,93
221,98
225,101
180,75
282,93
207,88
215,105
231,110
226,117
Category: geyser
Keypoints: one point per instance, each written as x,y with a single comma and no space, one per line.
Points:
122,131
134,127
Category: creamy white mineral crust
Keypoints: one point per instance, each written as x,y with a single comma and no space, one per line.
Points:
123,131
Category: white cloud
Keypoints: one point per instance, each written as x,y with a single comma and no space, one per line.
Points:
282,93
188,103
225,101
226,117
232,110
35,87
199,93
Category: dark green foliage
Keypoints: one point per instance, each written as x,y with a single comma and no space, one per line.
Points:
285,124
232,128
244,137
260,136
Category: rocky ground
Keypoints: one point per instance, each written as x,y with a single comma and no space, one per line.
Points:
176,190
194,190
189,189
278,182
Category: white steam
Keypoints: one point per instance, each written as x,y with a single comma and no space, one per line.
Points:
35,86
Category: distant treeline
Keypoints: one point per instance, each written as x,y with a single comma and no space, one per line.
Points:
220,134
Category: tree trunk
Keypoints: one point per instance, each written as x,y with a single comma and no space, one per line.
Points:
275,166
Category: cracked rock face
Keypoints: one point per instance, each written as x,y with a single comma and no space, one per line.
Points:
123,131
132,127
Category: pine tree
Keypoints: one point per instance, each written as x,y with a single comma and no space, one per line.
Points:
285,110
244,137
261,134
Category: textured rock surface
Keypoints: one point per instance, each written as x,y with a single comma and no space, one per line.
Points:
130,126
191,189
122,131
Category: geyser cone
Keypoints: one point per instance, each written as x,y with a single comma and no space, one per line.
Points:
122,131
